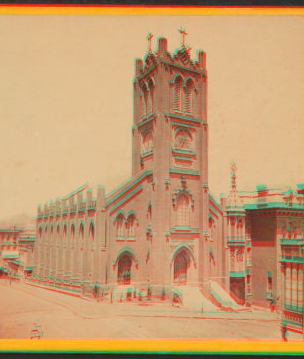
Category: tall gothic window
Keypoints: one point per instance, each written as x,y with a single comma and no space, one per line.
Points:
131,226
120,224
183,210
72,231
81,233
91,233
177,94
188,96
65,231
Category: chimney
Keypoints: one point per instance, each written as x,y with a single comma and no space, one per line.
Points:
101,194
89,194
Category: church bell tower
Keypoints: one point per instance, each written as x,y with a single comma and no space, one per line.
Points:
169,138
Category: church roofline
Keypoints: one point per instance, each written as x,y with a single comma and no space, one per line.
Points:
80,189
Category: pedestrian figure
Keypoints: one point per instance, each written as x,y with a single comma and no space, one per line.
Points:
10,280
284,332
271,303
149,292
202,309
175,300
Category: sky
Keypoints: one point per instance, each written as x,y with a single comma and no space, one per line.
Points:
66,106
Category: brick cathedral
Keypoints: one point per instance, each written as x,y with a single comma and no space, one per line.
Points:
163,227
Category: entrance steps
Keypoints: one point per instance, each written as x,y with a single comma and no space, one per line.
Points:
120,292
224,299
194,299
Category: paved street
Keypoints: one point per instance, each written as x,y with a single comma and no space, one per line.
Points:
63,316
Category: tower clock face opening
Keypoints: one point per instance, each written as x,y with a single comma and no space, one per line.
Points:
183,140
147,142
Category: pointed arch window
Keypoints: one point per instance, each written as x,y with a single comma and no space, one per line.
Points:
58,233
211,229
131,226
72,231
188,96
183,210
91,233
177,93
81,233
120,225
150,211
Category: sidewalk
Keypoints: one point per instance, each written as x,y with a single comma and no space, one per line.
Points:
91,309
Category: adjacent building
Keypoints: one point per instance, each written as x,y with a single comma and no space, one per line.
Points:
17,241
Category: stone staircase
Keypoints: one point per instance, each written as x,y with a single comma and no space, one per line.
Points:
194,299
225,300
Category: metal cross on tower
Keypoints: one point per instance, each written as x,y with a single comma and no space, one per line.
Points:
183,34
149,38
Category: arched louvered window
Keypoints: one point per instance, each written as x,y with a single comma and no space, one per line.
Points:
150,97
188,96
177,93
183,210
144,98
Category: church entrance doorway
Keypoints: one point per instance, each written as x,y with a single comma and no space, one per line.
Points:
181,265
237,287
124,269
